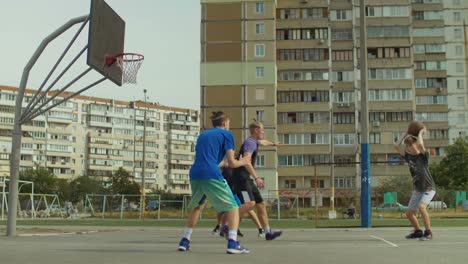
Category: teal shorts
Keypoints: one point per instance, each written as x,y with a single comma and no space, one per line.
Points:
216,191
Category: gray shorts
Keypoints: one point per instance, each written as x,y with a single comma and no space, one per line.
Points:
420,197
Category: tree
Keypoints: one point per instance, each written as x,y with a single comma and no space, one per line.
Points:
403,185
64,189
45,182
84,185
122,182
452,171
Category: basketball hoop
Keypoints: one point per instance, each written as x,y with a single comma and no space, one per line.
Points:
130,63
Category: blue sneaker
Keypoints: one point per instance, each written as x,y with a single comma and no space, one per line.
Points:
273,234
234,247
184,245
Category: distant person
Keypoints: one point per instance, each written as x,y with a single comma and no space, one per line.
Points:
68,208
415,154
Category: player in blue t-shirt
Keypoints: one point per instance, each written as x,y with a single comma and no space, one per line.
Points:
207,182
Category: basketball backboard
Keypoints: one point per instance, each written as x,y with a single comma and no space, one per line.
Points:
106,38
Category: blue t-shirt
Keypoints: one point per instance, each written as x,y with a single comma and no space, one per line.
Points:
210,150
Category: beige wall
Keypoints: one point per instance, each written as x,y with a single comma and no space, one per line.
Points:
223,11
237,73
223,31
222,95
216,52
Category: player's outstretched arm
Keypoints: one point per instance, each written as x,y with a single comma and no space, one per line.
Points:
398,144
421,146
267,143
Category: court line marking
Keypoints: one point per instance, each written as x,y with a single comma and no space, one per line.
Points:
386,241
58,234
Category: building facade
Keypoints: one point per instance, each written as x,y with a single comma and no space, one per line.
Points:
96,136
295,65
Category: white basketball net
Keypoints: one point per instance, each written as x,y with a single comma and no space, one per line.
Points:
130,64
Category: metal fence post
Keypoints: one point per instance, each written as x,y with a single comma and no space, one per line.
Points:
122,207
104,206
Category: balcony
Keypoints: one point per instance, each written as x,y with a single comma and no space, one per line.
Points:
178,181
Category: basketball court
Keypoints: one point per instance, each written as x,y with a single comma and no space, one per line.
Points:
158,245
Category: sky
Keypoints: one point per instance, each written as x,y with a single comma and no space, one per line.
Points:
166,32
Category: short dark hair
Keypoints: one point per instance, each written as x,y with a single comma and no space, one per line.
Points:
217,118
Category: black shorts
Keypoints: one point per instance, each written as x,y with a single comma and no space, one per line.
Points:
247,191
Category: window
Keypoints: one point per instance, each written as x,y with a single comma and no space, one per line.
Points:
342,55
259,28
291,160
303,75
315,54
305,33
459,67
461,118
431,99
290,184
428,32
260,161
456,16
290,13
343,97
461,101
342,34
311,13
343,76
457,33
344,139
460,84
458,50
343,118
344,182
388,32
320,183
260,115
456,2
433,116
390,95
260,72
259,50
430,65
259,93
437,152
302,96
389,74
259,7
341,15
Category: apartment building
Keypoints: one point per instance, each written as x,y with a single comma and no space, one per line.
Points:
96,136
295,65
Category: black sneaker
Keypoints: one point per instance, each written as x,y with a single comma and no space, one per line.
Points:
261,232
416,234
215,230
239,233
427,235
273,234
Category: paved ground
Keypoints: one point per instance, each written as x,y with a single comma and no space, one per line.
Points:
158,245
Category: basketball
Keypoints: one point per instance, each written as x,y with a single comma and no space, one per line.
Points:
414,128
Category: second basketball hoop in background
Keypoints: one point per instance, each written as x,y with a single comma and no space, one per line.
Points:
130,63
